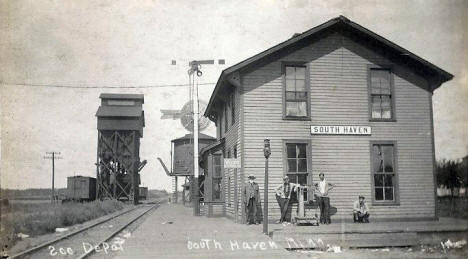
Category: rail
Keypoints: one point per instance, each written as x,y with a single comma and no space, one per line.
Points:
90,252
53,241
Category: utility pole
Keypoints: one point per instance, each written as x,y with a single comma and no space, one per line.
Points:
52,155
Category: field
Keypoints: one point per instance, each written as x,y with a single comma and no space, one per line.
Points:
30,212
37,218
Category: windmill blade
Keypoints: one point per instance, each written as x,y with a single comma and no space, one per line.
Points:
186,118
170,114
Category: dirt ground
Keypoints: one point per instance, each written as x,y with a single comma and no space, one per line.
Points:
435,251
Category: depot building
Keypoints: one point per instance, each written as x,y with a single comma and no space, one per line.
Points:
337,99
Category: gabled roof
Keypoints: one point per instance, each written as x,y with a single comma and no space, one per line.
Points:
347,25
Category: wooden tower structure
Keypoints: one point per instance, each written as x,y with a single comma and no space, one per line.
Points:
120,122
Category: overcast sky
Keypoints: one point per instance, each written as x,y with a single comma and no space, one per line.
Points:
118,43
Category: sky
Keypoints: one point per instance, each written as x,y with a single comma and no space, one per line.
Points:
131,43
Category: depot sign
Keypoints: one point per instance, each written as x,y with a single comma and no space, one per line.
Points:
340,130
232,163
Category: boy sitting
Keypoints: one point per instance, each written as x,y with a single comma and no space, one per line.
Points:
361,211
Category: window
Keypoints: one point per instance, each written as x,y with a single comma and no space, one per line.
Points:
233,108
235,152
297,163
381,98
384,173
220,125
217,176
296,91
229,190
121,102
226,124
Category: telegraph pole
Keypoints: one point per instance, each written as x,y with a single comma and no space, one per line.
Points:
52,155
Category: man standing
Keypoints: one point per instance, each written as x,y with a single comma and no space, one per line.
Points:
321,191
251,200
283,196
360,210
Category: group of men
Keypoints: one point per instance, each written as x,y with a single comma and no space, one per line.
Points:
283,197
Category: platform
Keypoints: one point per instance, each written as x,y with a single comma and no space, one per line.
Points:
374,234
171,231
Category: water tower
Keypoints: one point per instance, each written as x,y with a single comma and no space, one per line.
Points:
120,122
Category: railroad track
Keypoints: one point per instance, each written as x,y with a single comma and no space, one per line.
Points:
96,235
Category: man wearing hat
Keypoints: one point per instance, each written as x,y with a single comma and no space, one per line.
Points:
283,196
251,200
361,211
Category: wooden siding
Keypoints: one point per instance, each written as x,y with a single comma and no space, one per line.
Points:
339,96
232,190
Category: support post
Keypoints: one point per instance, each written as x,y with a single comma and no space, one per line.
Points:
195,191
136,191
266,152
183,191
176,192
195,196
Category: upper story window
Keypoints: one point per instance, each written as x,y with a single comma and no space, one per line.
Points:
296,91
233,108
220,125
381,94
226,124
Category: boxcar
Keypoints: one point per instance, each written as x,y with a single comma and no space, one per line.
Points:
81,188
143,193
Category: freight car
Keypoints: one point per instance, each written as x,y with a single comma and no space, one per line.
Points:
143,193
81,188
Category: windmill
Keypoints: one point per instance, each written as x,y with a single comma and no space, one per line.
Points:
191,119
185,115
182,152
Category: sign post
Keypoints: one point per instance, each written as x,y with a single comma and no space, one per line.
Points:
267,153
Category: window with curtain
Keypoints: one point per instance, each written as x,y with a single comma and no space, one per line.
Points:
297,163
384,171
381,94
296,91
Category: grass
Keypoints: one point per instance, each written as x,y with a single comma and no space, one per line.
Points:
41,218
459,208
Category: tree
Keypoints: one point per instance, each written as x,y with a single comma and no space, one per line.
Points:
449,174
464,170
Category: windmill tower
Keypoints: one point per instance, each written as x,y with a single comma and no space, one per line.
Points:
191,116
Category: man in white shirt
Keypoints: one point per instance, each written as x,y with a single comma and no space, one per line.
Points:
283,196
321,191
360,210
